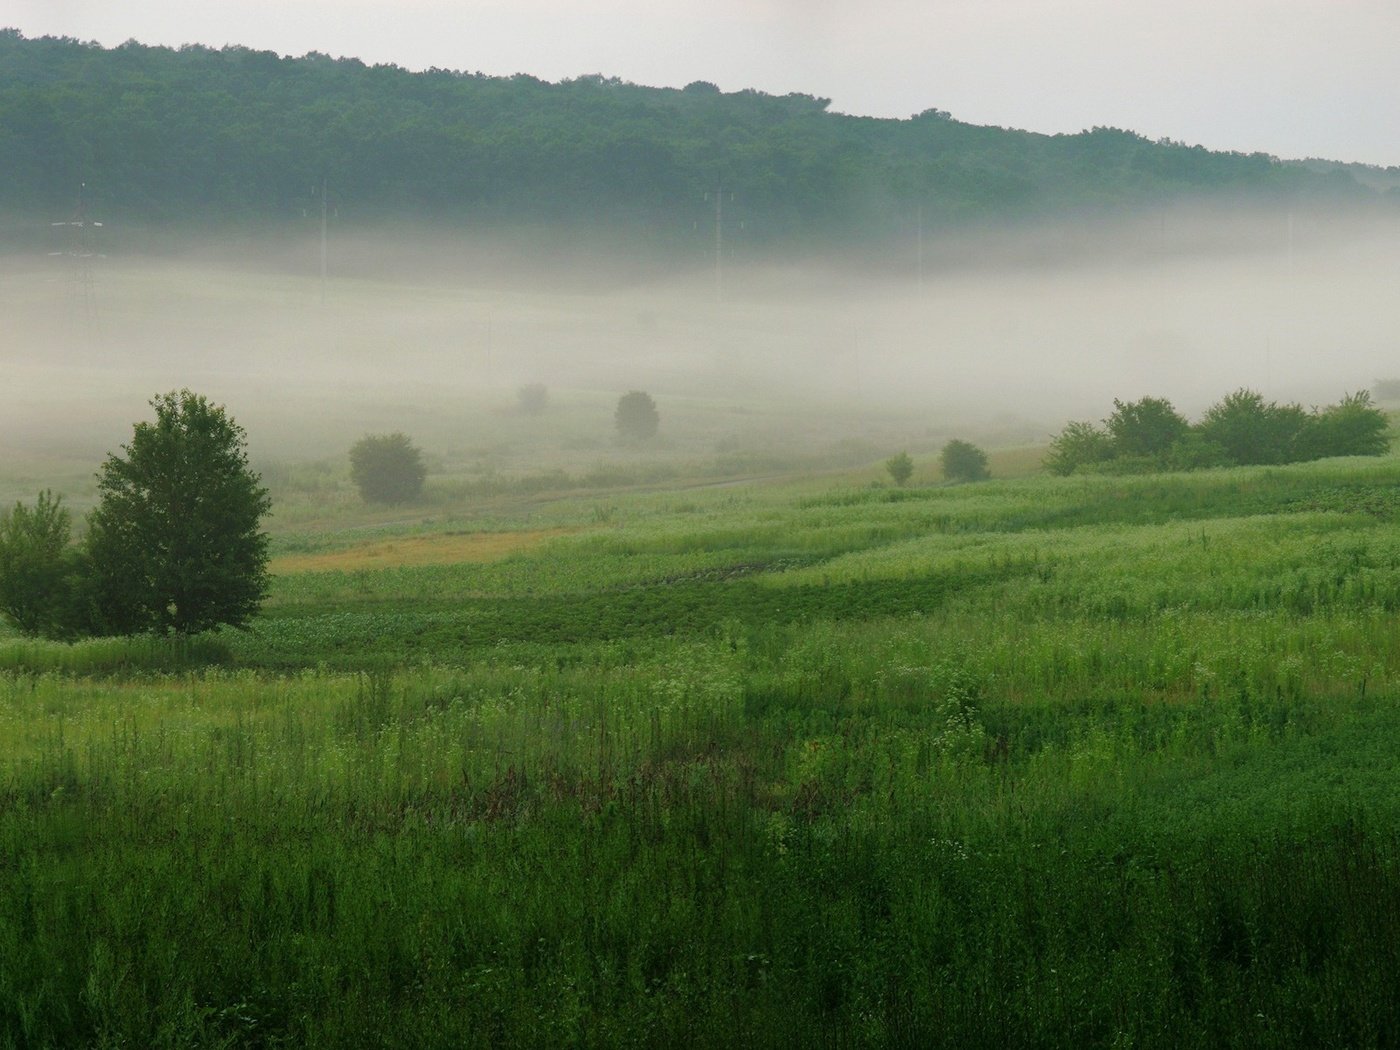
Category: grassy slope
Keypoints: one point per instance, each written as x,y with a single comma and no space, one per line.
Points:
1037,762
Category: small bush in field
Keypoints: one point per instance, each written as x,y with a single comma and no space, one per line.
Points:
964,461
387,468
1078,446
636,416
901,468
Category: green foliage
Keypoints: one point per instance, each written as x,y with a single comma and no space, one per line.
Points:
1079,445
636,416
900,468
1352,427
387,468
1242,429
1146,428
37,586
963,461
135,656
234,134
1194,451
1105,761
1252,430
175,543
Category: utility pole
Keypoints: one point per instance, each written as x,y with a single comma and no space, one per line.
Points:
80,254
855,366
921,245
719,241
323,241
1290,242
719,244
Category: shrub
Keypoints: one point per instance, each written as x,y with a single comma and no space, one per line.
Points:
1352,427
1078,446
1149,427
636,416
901,467
387,468
1241,429
963,461
36,567
1194,451
1254,431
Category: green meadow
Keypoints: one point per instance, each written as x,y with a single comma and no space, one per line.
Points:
807,761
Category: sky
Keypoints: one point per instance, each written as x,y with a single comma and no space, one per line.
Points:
1295,78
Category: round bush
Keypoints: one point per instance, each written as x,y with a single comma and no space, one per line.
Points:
387,468
963,461
636,416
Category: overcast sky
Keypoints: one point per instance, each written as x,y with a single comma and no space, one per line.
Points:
1291,77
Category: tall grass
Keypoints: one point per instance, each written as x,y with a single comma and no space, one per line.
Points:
807,771
112,656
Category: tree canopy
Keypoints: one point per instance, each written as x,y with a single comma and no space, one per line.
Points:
1148,427
199,134
175,543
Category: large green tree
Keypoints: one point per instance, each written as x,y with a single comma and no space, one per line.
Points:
176,543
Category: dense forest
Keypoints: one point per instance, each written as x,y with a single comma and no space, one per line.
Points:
163,136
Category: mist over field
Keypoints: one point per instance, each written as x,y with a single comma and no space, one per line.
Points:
1005,337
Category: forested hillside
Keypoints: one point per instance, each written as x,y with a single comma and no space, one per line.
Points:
165,136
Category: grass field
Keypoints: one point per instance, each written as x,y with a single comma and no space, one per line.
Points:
796,762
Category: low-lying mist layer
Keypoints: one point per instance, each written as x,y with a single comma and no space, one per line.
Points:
1002,339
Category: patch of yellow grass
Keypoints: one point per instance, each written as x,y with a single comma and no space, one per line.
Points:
445,548
1016,462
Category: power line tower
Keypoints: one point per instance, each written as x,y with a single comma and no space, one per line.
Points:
919,257
327,213
79,251
718,197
